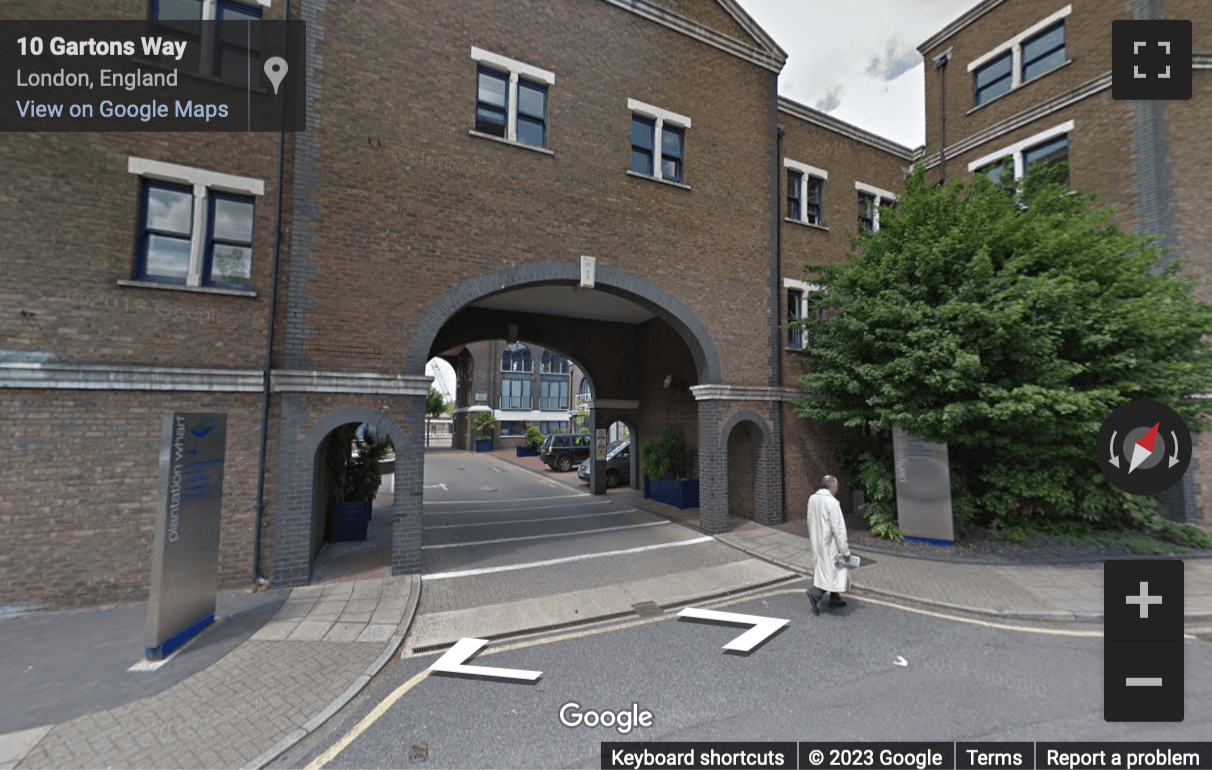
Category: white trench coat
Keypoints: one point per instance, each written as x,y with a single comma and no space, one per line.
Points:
827,530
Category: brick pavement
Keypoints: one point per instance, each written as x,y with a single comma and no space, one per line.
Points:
317,653
1027,591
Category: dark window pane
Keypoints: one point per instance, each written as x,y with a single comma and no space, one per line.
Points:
1056,149
866,214
169,211
1044,43
1041,65
641,162
531,132
671,142
167,258
671,169
532,101
233,220
793,195
994,70
185,10
642,133
490,120
231,265
493,89
993,172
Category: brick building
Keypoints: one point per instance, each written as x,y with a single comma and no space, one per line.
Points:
454,173
1030,80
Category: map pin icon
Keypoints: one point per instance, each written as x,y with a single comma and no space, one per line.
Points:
275,70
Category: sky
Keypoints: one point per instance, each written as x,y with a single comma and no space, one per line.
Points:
858,60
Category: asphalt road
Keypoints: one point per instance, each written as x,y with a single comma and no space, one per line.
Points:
828,678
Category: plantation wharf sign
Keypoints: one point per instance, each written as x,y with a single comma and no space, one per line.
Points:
923,489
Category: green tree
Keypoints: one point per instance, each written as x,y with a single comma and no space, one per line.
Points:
435,407
1008,321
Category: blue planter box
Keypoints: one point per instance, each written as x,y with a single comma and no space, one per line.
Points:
352,521
680,493
483,445
527,452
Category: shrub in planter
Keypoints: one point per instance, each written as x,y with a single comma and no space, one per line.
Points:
666,464
534,440
483,423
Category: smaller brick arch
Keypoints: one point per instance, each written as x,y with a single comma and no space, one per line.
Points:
767,508
294,519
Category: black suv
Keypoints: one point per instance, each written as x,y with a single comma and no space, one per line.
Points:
565,451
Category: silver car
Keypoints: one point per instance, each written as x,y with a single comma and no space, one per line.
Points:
618,464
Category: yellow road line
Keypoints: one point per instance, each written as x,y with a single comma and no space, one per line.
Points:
332,751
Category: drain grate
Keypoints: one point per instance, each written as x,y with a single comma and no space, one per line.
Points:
647,609
418,752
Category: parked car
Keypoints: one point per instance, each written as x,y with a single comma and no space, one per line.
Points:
618,465
561,451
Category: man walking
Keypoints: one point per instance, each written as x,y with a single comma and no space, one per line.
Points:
827,530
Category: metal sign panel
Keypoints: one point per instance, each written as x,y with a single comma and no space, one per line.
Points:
923,488
601,443
589,269
185,547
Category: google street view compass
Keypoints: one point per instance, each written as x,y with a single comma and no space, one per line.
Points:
1144,448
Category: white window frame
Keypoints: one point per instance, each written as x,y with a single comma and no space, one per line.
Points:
1015,46
880,196
661,117
515,69
202,181
206,60
803,287
1016,150
805,171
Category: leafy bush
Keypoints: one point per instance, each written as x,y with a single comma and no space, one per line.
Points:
667,457
483,424
534,438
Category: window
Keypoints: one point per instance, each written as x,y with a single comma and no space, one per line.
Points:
804,192
229,49
994,79
515,391
553,393
516,358
1044,52
798,293
866,212
1038,49
643,133
511,99
553,426
554,363
511,428
870,199
658,142
1044,147
795,309
583,394
671,153
492,103
993,171
794,209
195,226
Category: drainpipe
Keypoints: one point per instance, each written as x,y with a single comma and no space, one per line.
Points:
778,291
258,578
940,64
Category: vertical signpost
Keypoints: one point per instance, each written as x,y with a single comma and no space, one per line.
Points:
185,547
601,443
923,489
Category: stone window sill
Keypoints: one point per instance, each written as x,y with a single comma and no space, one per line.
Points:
638,175
806,224
179,287
519,145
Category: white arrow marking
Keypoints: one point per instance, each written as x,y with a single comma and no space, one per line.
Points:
1114,457
452,662
437,486
762,627
900,661
1174,460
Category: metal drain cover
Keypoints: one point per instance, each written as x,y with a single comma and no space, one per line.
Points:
418,752
647,609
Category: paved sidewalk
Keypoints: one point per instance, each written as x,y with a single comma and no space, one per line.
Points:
1029,592
318,652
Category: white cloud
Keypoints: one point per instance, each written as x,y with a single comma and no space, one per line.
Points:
840,54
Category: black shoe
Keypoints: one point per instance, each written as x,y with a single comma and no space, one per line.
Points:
836,602
816,607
